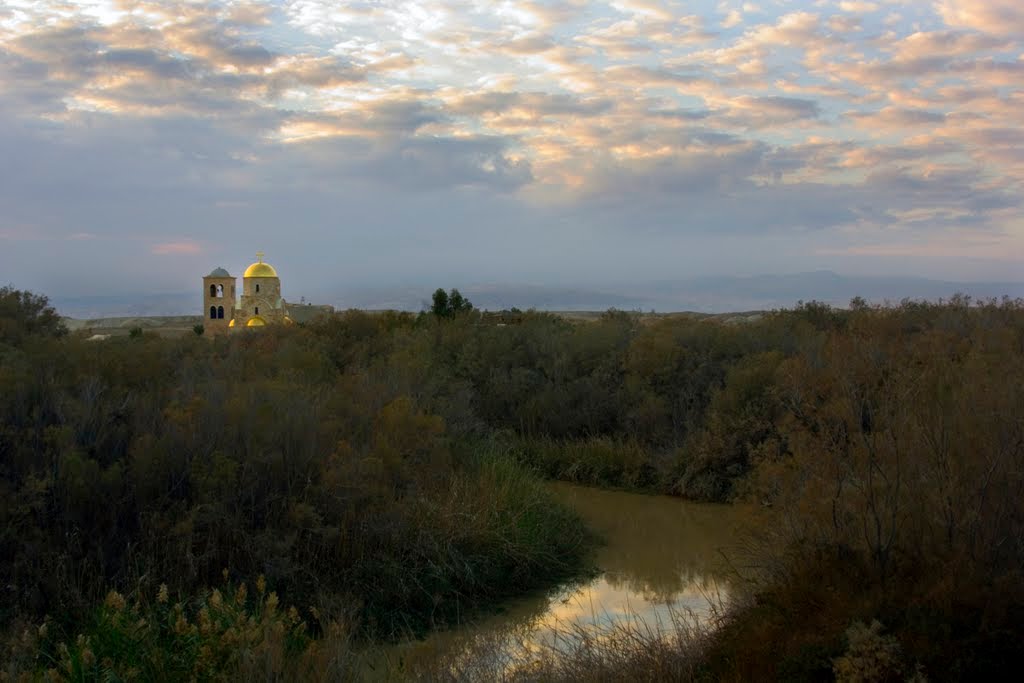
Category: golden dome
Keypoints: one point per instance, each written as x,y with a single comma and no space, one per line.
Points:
232,323
260,269
256,321
288,321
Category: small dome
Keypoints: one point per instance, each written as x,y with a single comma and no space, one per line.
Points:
232,323
288,321
219,272
260,269
256,321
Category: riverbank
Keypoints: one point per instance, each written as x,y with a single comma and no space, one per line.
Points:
662,562
497,534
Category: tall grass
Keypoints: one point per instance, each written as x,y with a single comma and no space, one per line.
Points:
224,634
494,531
620,649
491,532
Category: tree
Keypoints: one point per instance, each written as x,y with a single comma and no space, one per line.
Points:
24,314
458,303
198,329
450,304
440,304
858,303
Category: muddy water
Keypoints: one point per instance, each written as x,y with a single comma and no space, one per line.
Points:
661,556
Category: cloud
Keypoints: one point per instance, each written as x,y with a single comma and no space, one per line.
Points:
447,162
858,6
896,117
773,110
733,18
175,248
330,121
998,17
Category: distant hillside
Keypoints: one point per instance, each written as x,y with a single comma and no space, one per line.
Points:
168,325
118,306
490,297
703,294
151,306
721,294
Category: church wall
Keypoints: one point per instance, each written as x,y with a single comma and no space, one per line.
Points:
268,287
266,303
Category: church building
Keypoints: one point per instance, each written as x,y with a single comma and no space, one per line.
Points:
260,303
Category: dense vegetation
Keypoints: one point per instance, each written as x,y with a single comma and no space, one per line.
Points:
897,535
329,461
886,447
372,466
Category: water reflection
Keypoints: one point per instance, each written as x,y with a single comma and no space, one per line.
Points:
661,557
656,546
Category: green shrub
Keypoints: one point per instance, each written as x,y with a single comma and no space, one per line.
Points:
595,461
493,531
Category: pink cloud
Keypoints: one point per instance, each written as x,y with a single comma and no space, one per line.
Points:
170,248
1000,17
22,233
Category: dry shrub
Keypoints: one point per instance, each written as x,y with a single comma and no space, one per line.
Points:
870,656
618,649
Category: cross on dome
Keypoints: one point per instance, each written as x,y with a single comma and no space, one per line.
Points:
260,268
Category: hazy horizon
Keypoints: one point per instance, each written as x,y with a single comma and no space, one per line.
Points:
712,294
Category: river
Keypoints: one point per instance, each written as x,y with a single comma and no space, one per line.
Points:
661,557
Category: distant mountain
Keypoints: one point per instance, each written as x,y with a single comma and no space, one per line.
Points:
123,306
723,294
720,294
491,297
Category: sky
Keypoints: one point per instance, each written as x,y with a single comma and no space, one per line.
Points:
375,143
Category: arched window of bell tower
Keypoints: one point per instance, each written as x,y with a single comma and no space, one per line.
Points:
213,312
213,290
220,312
220,291
257,287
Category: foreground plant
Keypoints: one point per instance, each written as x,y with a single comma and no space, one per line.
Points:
219,635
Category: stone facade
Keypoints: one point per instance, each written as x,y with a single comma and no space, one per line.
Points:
260,302
218,301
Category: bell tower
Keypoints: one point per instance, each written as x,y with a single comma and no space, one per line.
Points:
218,301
